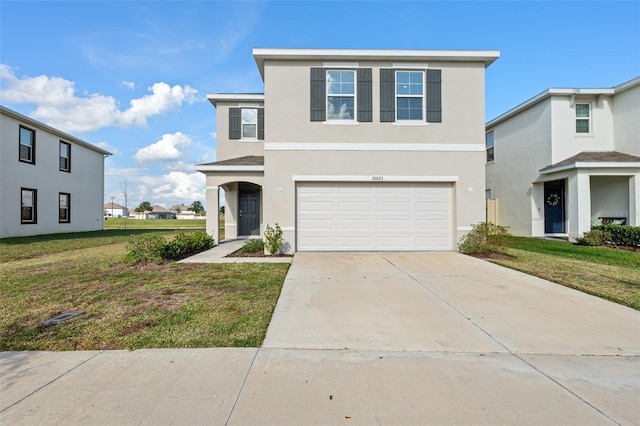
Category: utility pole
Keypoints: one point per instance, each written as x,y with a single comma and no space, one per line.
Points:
112,206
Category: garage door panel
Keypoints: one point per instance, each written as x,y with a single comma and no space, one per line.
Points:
374,216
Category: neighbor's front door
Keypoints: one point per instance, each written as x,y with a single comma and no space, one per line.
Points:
554,208
249,213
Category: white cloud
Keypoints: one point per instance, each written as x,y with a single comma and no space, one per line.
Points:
165,149
57,104
180,186
129,84
112,149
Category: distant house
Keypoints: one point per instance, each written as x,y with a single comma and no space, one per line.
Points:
183,212
115,210
50,182
567,159
159,212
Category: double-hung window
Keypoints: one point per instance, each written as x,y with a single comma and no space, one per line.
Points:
64,208
29,204
65,157
27,145
489,146
410,95
583,118
249,123
246,123
341,94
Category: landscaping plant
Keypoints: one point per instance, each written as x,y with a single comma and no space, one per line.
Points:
622,235
595,237
484,238
273,239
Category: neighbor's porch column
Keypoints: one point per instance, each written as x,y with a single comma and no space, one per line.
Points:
213,216
634,200
579,204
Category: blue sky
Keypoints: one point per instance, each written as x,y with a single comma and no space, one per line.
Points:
132,77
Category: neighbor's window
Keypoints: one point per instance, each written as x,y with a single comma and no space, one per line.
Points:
409,95
29,205
64,208
341,95
65,157
489,147
249,123
27,145
583,118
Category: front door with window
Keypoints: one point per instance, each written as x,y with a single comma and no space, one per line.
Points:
554,210
249,212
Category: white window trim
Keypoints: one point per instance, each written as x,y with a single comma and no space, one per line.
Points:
350,121
242,136
590,118
405,122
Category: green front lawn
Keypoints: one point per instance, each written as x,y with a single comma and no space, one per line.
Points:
613,274
172,305
121,223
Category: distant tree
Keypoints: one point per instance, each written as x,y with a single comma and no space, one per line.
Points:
143,207
222,209
125,194
196,207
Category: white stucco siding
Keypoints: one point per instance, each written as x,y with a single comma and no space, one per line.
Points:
626,122
522,147
566,142
85,183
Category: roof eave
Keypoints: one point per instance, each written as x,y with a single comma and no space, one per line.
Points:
592,165
214,98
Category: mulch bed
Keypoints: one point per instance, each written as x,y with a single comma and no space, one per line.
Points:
240,253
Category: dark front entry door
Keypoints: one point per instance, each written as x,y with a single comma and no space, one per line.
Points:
554,207
249,213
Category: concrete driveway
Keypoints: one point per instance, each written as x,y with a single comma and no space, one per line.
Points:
375,338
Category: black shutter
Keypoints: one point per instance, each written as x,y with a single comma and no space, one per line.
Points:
318,94
260,123
365,106
235,123
434,96
387,95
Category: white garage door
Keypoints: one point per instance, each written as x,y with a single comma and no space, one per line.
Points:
374,216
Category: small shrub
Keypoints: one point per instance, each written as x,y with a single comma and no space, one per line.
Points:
145,248
622,235
183,244
484,238
595,237
273,239
253,246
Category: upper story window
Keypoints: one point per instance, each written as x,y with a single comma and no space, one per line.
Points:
409,95
246,124
249,123
29,204
489,146
64,207
341,95
583,118
65,157
27,145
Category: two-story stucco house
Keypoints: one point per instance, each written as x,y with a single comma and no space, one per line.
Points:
567,159
354,149
50,182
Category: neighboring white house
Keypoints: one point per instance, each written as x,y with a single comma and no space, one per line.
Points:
354,149
50,182
567,159
182,212
112,209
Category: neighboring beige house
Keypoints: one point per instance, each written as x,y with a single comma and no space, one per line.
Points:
354,149
182,212
567,159
50,182
112,209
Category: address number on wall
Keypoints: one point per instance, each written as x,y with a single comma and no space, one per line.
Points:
377,178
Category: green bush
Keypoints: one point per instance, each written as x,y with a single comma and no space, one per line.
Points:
595,237
484,238
273,239
152,248
145,248
623,235
253,246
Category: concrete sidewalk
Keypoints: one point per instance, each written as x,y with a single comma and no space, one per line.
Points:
219,253
371,338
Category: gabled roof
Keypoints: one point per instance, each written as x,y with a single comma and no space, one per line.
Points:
567,92
113,206
35,123
261,54
594,159
246,163
159,209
